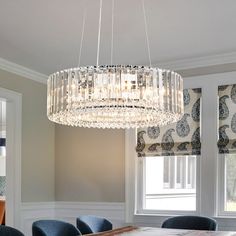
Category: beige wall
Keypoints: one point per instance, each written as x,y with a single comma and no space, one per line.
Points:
89,164
38,175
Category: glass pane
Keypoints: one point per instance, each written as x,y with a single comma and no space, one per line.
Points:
170,183
230,186
166,173
191,172
178,170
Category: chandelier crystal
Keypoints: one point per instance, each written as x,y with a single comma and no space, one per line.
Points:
115,97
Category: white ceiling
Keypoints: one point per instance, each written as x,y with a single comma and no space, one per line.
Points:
45,35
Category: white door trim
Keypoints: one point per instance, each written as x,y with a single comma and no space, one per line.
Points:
13,156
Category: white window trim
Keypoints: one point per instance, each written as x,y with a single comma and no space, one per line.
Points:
221,185
208,186
140,197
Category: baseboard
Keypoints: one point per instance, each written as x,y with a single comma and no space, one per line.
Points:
31,212
68,211
115,212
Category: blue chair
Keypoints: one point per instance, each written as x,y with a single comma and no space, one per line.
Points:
92,224
190,222
9,231
54,228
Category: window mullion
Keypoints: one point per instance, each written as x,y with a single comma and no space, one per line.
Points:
185,172
209,134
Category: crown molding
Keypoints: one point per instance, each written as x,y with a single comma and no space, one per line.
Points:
22,71
197,62
182,64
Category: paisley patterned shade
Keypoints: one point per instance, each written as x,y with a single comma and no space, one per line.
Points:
177,139
227,119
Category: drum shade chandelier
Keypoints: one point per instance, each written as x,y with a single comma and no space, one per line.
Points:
114,96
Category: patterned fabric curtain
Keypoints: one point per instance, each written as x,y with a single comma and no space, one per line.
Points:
181,138
227,119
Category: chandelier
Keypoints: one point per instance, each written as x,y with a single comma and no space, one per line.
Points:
114,96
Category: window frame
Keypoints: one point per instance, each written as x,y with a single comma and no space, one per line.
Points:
221,181
209,164
139,208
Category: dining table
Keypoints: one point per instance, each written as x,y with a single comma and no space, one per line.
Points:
151,231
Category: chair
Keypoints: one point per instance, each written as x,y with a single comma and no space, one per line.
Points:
92,224
54,228
190,222
9,231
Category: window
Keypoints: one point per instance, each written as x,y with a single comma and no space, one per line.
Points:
211,173
169,183
227,149
230,183
227,184
168,160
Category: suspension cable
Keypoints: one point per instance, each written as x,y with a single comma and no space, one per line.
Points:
146,32
82,35
99,31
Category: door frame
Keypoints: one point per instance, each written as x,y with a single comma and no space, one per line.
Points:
13,155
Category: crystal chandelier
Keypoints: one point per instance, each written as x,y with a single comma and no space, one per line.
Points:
115,96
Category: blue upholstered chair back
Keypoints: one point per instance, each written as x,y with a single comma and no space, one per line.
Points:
190,222
92,224
9,231
54,228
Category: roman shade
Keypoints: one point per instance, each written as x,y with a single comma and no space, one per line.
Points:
177,139
227,119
